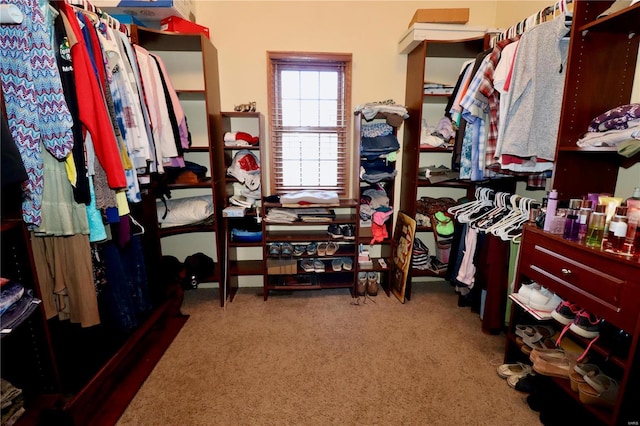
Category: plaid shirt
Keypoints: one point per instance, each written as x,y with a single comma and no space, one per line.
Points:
488,99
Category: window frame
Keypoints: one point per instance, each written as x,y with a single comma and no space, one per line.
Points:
306,59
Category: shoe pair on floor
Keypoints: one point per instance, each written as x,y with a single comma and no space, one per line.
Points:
367,284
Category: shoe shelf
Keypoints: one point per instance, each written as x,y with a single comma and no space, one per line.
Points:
603,284
539,315
284,270
376,265
245,267
186,229
309,281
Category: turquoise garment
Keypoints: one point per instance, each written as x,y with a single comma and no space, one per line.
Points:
97,231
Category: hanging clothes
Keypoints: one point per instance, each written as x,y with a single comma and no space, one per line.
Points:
34,101
533,115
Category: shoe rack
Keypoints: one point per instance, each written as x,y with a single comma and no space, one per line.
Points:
291,249
438,60
379,253
605,285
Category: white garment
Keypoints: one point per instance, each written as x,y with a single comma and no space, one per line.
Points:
531,123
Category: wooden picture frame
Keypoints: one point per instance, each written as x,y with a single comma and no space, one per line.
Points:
403,236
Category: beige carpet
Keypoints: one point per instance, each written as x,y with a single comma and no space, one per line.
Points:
315,358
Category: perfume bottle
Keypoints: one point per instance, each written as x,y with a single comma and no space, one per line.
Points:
617,231
595,230
583,218
571,223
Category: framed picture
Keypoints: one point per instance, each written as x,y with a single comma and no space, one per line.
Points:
402,249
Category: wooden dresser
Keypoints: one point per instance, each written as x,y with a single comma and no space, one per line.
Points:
602,283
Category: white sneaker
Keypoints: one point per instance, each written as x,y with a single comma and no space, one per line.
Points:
524,292
544,300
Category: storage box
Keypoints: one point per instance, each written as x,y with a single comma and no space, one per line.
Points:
442,16
282,266
148,10
178,25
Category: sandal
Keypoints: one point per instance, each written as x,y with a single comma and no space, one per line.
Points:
332,248
581,370
599,390
517,369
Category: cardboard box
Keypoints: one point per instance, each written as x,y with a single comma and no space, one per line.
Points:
178,25
282,266
148,11
441,16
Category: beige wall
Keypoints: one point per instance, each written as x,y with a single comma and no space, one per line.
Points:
243,31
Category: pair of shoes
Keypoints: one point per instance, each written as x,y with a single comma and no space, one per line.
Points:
517,369
565,312
584,324
286,249
543,300
348,232
524,292
534,336
599,389
307,265
372,284
578,373
555,363
274,250
361,285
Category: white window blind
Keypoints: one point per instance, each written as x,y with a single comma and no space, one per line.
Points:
309,121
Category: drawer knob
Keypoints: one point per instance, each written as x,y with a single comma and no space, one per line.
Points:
565,271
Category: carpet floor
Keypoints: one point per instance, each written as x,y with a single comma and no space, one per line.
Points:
318,358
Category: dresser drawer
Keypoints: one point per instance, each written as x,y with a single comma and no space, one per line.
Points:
601,283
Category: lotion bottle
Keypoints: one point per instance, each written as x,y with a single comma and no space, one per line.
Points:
552,205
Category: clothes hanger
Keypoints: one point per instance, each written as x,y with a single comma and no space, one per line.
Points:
513,216
500,210
512,228
464,212
136,228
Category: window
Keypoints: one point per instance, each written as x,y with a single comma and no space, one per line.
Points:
309,104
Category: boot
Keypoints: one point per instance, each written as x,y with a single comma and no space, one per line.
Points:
361,286
372,284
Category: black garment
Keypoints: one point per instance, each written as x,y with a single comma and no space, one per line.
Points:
13,171
62,50
172,113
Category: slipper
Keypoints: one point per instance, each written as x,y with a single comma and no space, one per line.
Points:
332,248
322,249
543,343
579,371
553,366
515,369
599,390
